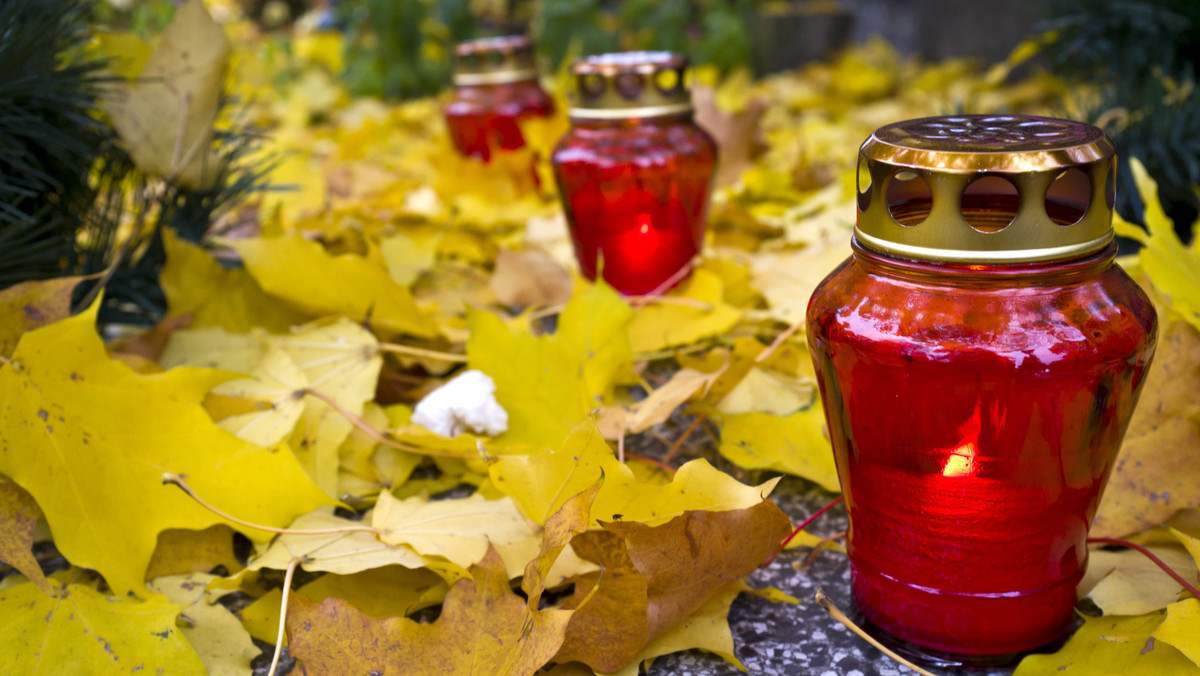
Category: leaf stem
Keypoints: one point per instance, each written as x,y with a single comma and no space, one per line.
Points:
169,478
779,340
657,463
819,547
671,452
837,614
676,277
1150,555
422,352
366,428
287,588
804,524
694,303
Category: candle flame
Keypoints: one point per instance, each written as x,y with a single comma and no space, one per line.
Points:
643,221
963,459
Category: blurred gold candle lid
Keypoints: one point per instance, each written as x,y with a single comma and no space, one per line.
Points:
986,189
494,61
629,85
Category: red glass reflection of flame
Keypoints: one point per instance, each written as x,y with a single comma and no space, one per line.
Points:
974,424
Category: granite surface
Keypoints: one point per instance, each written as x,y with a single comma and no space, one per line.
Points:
783,639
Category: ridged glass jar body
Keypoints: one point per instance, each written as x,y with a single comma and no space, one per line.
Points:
975,413
636,195
481,118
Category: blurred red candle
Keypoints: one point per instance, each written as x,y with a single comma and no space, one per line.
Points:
979,357
495,87
634,171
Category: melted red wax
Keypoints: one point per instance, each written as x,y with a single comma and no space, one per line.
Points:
975,414
636,196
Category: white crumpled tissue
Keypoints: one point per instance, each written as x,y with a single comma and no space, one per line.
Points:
465,404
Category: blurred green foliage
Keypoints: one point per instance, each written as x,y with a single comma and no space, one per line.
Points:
404,48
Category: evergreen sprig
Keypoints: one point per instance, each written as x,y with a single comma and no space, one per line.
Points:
49,139
1140,56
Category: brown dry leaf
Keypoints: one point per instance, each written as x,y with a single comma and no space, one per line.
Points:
1155,473
706,629
609,630
693,556
181,551
653,577
484,629
736,132
151,344
19,514
28,305
530,278
166,119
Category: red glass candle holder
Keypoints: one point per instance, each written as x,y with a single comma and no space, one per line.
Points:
979,357
495,87
634,171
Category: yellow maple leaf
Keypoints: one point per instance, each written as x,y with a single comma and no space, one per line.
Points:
196,284
1128,583
542,481
1112,646
90,440
306,276
1173,267
78,630
665,324
459,531
1181,628
794,444
549,383
215,633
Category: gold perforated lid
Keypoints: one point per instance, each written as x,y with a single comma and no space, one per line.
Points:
628,85
494,61
986,189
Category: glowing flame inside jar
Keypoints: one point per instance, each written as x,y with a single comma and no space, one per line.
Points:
963,459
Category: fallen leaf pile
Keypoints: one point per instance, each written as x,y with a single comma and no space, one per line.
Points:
260,443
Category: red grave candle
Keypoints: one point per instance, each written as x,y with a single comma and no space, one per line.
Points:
496,87
634,171
979,357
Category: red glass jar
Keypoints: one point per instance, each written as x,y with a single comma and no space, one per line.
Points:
979,357
495,87
634,171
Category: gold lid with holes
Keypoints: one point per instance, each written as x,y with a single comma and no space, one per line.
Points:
986,189
490,61
629,85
